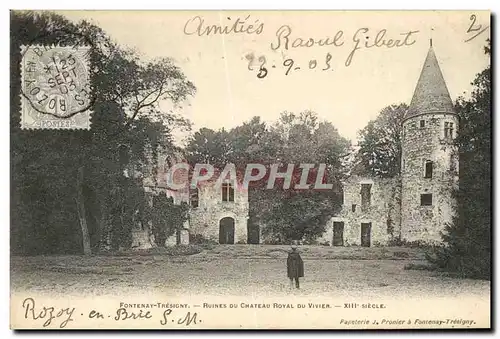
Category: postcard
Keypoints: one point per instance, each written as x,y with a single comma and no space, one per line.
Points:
250,170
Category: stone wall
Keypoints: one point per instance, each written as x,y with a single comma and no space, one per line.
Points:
421,144
155,182
383,211
205,219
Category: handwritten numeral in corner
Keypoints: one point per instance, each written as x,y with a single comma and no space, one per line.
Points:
473,28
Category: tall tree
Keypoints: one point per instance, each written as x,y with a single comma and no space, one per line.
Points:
286,213
126,118
467,249
379,153
297,213
209,147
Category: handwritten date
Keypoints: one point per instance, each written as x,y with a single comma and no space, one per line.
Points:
289,64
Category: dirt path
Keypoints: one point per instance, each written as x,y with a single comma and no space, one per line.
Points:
241,270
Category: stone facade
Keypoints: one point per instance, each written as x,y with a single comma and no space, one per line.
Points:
418,205
370,214
217,209
429,168
155,182
414,206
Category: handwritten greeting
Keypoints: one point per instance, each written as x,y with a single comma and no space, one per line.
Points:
286,39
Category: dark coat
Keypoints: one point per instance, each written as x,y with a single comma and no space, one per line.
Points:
295,265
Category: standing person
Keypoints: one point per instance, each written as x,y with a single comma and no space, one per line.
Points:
295,266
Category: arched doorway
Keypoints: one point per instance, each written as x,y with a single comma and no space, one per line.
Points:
226,231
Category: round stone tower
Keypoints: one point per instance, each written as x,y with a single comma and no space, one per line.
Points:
429,168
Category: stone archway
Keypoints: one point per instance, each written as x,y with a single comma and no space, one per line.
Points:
226,231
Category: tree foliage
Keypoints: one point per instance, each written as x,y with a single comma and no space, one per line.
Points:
126,120
467,240
379,153
284,214
168,218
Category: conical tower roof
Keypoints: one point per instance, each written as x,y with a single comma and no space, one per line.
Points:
431,94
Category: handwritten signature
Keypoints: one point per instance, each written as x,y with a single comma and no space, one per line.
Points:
363,38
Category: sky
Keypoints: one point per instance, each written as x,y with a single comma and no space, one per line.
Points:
228,93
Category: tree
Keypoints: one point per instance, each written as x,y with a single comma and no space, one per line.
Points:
209,147
126,120
467,241
294,139
167,217
291,214
379,153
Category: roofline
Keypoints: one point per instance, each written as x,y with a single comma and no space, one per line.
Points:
429,112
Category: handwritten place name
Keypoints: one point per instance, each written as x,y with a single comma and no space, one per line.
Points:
123,314
186,318
47,313
196,25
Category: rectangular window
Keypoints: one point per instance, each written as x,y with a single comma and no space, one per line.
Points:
426,199
448,130
227,192
428,169
366,196
353,207
422,123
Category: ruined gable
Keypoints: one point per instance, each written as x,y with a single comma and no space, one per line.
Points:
370,213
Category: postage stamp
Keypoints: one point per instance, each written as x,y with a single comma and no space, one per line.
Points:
56,91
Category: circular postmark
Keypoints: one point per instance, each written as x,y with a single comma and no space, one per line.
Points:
56,80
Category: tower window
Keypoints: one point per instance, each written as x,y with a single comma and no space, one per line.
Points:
448,130
227,192
353,208
422,123
428,169
426,199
